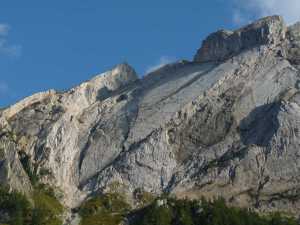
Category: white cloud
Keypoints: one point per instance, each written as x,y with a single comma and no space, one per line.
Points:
247,10
164,60
5,47
4,29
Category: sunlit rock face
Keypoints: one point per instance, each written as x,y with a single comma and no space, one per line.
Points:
226,124
224,44
293,45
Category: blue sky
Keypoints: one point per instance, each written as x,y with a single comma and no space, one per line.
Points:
58,44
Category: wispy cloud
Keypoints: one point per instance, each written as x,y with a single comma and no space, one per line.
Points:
5,47
4,89
247,10
239,18
164,60
3,29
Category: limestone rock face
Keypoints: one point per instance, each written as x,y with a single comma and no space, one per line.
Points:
224,44
225,124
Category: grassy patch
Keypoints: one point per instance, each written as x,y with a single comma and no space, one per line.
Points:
48,209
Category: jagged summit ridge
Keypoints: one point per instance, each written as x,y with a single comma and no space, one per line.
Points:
100,87
224,44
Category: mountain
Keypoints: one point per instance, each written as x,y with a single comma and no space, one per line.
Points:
225,124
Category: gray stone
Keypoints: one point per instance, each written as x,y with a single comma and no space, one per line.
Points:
224,44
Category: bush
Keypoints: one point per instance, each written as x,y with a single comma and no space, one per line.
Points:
158,215
46,211
108,209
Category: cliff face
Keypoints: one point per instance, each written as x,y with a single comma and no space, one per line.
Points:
226,124
224,44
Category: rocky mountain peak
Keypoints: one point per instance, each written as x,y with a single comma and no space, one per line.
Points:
224,44
125,69
120,75
99,88
192,129
115,78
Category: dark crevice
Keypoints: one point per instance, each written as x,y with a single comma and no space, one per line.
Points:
262,183
86,147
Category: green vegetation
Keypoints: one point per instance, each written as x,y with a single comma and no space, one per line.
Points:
108,209
45,172
157,215
47,209
16,206
185,212
43,207
112,209
18,210
143,198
